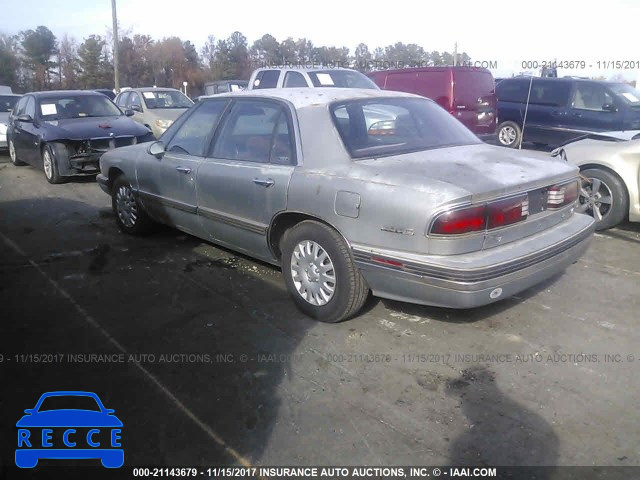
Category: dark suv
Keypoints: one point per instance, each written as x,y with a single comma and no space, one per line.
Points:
561,109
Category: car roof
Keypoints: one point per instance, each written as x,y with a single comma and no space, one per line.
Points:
302,68
305,97
441,68
151,89
58,93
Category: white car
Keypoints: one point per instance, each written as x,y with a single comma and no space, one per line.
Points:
7,104
299,77
609,164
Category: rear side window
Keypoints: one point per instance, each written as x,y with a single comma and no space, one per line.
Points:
266,79
294,80
122,99
512,91
591,96
550,93
256,131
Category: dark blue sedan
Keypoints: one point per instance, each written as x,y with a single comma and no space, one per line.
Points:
66,132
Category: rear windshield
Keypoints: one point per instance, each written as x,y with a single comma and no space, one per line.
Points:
8,102
627,93
382,127
341,79
472,89
166,99
77,106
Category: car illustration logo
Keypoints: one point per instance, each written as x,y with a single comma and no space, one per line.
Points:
69,425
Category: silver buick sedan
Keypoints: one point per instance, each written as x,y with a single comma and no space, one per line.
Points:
354,191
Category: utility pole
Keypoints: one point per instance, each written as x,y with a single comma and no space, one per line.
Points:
455,54
116,81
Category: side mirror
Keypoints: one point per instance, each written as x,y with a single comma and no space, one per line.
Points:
136,108
609,107
109,411
128,112
156,149
29,411
25,118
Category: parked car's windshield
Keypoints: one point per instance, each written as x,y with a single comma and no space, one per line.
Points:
8,102
341,79
166,99
627,93
69,402
77,106
394,126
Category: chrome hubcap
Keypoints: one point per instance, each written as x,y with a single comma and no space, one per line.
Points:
12,151
48,167
126,207
595,198
507,135
313,273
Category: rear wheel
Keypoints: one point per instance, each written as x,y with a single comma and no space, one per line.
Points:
320,273
604,197
130,214
509,134
14,156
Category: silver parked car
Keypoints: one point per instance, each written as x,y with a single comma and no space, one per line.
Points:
156,108
425,213
610,167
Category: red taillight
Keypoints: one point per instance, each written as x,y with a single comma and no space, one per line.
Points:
561,195
472,219
485,217
506,212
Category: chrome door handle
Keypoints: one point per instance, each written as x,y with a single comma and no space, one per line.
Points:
265,182
184,170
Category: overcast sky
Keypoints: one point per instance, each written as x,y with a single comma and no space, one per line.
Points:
491,30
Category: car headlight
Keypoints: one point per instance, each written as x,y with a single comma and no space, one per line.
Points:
164,124
3,128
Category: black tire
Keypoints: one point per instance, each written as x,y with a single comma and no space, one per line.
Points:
509,134
610,185
14,156
54,153
131,216
350,289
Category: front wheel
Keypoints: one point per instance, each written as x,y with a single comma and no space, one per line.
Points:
14,155
130,214
509,134
51,156
320,273
604,197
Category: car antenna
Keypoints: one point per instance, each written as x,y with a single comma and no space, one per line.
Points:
526,109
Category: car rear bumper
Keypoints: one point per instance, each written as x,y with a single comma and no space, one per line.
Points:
472,280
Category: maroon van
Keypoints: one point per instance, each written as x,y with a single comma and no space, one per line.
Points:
468,93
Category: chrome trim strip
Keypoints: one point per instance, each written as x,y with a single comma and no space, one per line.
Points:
474,275
151,197
238,222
